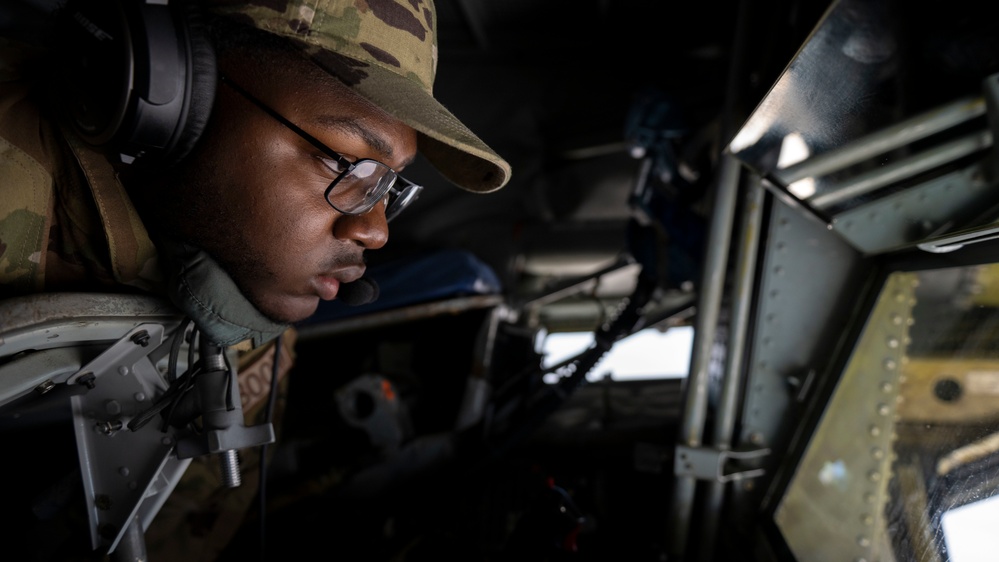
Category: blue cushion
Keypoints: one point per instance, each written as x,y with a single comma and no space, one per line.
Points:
418,279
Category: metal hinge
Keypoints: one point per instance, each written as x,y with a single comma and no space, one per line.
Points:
716,464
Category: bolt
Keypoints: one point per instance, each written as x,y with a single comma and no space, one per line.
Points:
102,502
87,380
141,338
229,462
109,427
45,387
107,531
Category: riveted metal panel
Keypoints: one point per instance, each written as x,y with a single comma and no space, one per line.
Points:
834,505
909,216
809,279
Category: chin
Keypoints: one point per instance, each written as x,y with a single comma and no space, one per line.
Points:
288,310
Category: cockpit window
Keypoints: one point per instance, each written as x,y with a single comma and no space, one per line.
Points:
647,354
908,442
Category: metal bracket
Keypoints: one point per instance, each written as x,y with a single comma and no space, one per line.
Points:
98,354
714,464
126,474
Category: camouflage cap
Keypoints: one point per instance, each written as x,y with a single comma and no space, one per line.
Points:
386,50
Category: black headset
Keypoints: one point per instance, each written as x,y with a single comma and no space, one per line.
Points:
137,77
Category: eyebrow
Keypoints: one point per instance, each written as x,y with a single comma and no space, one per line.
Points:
354,127
351,125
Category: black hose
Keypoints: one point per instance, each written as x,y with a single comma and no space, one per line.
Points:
553,396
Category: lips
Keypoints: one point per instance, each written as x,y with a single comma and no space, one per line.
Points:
327,284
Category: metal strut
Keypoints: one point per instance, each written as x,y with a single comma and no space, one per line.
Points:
717,465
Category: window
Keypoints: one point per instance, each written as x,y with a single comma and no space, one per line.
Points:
647,354
970,531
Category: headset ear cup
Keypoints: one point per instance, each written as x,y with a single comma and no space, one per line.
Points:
136,79
203,68
94,54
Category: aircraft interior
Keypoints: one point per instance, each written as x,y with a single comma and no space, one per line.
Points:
804,193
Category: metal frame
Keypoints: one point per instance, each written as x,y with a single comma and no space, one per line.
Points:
105,357
793,333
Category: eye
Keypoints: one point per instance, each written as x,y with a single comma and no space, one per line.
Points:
333,165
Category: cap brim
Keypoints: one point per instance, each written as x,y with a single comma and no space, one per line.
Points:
457,153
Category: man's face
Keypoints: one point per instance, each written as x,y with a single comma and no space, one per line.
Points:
251,193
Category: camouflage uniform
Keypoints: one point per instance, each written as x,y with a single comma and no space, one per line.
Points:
67,224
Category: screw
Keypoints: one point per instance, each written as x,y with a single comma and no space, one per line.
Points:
102,502
45,387
87,379
107,531
141,338
109,427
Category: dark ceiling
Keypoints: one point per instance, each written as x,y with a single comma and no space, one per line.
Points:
551,85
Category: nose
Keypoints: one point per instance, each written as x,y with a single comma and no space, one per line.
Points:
369,230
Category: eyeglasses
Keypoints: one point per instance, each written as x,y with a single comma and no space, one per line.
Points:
360,185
